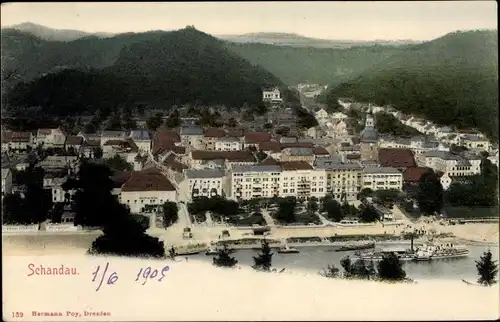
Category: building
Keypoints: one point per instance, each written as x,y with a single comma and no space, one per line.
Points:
272,95
254,181
369,139
228,143
230,158
256,138
299,179
396,158
142,140
6,182
412,175
298,154
321,115
205,183
51,137
112,135
453,164
382,178
212,134
193,136
343,180
73,142
147,191
475,142
17,141
164,140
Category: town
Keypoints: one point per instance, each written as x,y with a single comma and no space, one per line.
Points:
332,175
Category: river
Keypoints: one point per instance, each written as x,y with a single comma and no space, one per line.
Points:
310,259
316,258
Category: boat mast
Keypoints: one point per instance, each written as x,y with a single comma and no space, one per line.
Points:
411,242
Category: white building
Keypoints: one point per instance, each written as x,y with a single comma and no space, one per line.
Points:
112,135
453,164
382,178
475,142
447,180
255,181
205,183
51,137
299,179
6,181
146,191
142,139
272,95
228,143
193,136
18,141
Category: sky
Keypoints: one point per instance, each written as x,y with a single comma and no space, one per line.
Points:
372,20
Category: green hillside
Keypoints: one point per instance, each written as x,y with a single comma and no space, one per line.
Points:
314,65
452,80
158,68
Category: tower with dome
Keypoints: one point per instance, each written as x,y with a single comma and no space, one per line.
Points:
369,139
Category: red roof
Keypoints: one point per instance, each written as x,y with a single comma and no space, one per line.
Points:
236,133
120,177
235,156
163,140
396,158
176,166
214,132
295,165
270,147
297,145
413,174
353,156
148,180
319,150
257,137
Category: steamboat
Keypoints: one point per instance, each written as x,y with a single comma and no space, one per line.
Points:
426,252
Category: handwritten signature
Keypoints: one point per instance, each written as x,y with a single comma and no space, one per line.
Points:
143,275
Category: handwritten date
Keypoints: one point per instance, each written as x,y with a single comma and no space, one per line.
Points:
143,275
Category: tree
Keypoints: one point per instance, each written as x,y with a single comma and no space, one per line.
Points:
312,206
95,206
231,122
129,123
286,210
13,211
223,258
37,200
118,163
154,122
365,192
430,193
98,152
261,155
114,122
173,120
347,266
170,215
264,260
487,269
390,268
331,272
368,214
333,209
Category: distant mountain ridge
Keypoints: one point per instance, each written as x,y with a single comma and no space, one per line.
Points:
295,40
52,34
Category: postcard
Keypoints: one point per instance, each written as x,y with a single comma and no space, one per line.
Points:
246,161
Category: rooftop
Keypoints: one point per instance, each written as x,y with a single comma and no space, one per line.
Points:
191,130
257,137
208,173
396,158
383,170
413,174
295,165
235,156
256,168
148,180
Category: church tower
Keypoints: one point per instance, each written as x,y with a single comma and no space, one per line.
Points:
369,139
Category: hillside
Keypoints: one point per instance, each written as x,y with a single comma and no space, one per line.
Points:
32,56
450,80
294,40
51,34
158,68
314,65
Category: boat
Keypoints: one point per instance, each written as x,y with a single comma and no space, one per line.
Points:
288,250
211,251
355,247
191,249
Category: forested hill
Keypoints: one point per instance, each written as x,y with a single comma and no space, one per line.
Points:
452,80
157,68
294,65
